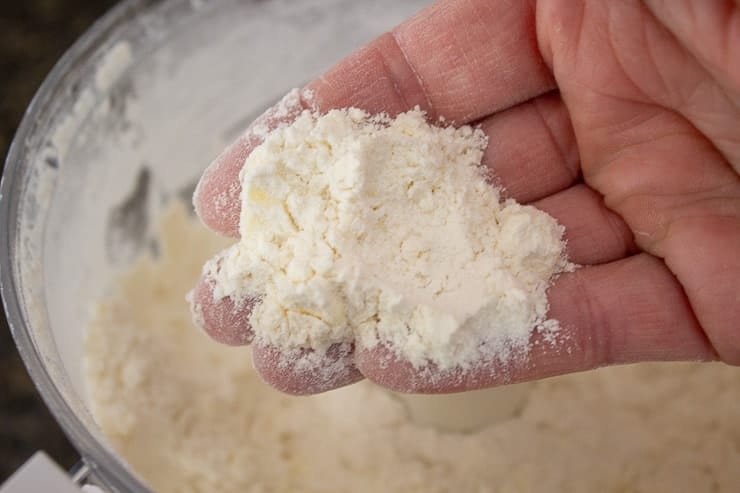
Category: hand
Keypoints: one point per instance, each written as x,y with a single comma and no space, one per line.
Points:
620,119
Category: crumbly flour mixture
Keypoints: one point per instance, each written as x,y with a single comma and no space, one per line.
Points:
190,415
368,229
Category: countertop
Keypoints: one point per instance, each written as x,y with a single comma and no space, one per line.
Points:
33,35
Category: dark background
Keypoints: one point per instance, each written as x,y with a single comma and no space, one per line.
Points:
33,35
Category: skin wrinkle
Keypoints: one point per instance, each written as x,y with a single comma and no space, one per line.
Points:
621,231
534,42
596,345
617,56
729,25
576,45
529,172
669,98
626,74
730,40
590,240
702,79
733,40
660,233
392,76
430,106
572,166
714,354
671,225
637,119
704,83
617,156
648,37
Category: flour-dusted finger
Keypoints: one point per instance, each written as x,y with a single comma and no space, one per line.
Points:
216,198
626,311
300,371
224,319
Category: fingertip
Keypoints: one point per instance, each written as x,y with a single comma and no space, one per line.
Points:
383,366
304,372
217,196
223,320
547,355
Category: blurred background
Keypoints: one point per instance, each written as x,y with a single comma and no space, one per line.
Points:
33,35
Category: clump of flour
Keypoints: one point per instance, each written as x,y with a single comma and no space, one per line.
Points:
366,229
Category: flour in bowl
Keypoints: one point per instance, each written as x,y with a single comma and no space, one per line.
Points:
191,415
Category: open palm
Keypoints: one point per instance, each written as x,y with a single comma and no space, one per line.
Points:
620,119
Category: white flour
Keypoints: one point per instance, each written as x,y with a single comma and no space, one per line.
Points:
367,229
191,416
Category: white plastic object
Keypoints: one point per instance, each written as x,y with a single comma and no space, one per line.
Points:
89,488
466,411
39,475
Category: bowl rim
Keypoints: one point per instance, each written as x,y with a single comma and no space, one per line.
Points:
105,467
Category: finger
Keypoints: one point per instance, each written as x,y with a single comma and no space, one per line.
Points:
593,233
224,320
531,149
217,196
460,59
304,372
626,311
709,270
294,371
